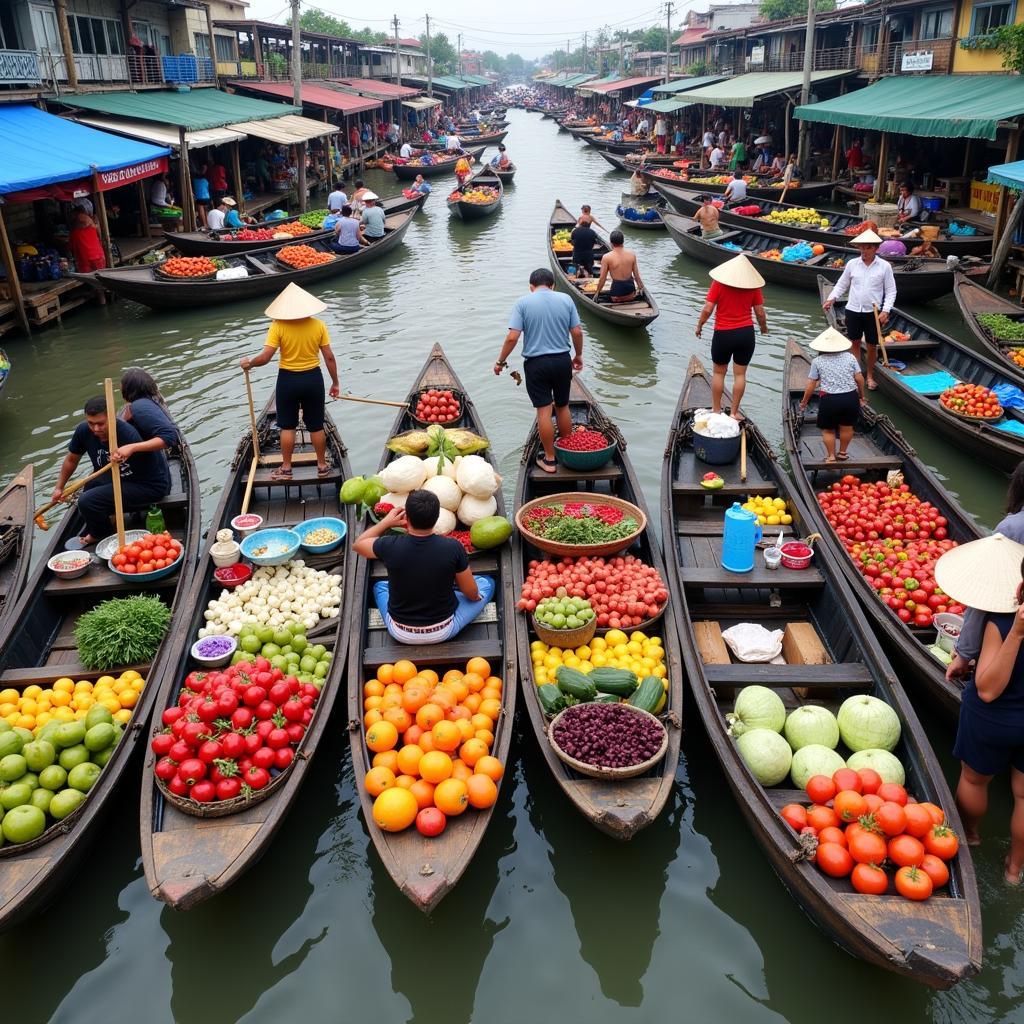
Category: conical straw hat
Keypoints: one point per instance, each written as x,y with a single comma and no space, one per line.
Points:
983,574
830,340
866,238
294,303
738,272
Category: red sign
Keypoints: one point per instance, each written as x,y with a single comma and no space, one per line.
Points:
126,175
71,190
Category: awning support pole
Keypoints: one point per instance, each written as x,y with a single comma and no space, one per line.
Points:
835,154
143,209
12,274
1005,228
101,207
302,177
881,180
236,170
185,172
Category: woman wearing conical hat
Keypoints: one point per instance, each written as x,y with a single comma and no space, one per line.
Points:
835,375
301,339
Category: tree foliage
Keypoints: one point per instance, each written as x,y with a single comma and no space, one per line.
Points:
1009,40
313,20
446,60
777,10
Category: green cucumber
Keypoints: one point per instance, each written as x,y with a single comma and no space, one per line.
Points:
614,680
551,699
649,696
575,683
606,698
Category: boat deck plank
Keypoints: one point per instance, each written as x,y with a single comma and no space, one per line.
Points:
690,470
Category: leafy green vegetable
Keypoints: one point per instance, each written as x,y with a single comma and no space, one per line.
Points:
121,631
1001,326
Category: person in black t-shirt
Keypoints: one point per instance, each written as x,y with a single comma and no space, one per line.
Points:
430,594
583,239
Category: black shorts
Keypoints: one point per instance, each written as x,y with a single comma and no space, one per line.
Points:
986,745
584,261
300,389
736,345
861,325
548,379
840,410
622,288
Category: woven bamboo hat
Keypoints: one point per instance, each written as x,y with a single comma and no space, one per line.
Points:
866,238
294,303
830,340
738,272
983,574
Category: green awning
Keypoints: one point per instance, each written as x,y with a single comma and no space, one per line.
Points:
667,106
450,82
686,84
933,106
476,79
196,110
614,77
745,90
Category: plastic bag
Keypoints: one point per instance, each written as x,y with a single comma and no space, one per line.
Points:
797,252
1009,396
711,424
751,642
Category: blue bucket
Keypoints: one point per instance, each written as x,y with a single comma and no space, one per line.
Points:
716,451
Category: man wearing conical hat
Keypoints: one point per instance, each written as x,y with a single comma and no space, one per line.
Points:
871,286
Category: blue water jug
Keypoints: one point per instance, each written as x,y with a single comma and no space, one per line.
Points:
739,538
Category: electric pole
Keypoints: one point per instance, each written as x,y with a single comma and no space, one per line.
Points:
567,54
668,38
430,64
296,56
584,68
398,56
460,54
620,56
805,90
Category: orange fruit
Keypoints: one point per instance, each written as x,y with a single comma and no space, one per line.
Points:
395,809
382,736
413,734
466,729
374,688
429,674
486,735
399,718
479,721
386,759
489,766
409,760
491,708
450,796
372,718
457,712
446,736
481,791
429,715
470,752
452,673
425,742
474,683
377,780
393,690
443,698
461,770
459,688
472,701
494,682
404,670
386,673
372,703
435,767
390,700
414,698
490,693
479,667
424,793
405,781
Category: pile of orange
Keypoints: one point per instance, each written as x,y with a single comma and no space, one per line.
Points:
303,256
431,739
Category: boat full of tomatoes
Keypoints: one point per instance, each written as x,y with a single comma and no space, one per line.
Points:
181,267
301,257
437,405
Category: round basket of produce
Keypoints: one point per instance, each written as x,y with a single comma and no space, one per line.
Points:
608,741
971,402
564,621
186,268
585,449
437,405
302,257
578,524
1002,327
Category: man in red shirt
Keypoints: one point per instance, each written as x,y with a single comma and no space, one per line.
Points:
218,180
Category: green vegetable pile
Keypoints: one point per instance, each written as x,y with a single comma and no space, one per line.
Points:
580,523
1001,326
121,631
314,219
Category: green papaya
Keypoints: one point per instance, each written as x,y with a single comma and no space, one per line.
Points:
490,532
352,490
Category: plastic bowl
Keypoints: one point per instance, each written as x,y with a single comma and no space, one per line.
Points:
107,548
79,562
231,576
585,461
327,522
156,574
246,524
216,660
277,546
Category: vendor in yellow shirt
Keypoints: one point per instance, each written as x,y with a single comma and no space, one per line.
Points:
302,340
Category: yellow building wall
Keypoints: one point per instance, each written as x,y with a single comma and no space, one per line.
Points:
977,61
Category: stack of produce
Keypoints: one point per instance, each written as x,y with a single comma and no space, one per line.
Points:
188,266
251,235
302,256
148,554
436,440
798,216
314,219
479,194
431,739
121,631
971,400
648,214
563,612
856,229
643,655
68,700
769,511
579,522
1002,327
751,210
295,228
438,405
585,440
606,736
560,241
284,647
771,254
603,685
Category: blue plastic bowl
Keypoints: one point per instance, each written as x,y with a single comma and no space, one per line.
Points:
282,546
148,577
586,461
328,522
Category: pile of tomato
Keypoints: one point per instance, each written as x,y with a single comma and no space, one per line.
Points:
252,235
584,440
863,825
188,266
150,553
971,400
302,256
437,405
894,539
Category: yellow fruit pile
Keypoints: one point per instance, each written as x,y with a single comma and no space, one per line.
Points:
561,241
643,655
67,700
769,511
1017,355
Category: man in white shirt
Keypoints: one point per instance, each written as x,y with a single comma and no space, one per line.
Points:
215,218
717,158
871,284
406,151
453,143
661,133
736,190
336,200
644,126
709,139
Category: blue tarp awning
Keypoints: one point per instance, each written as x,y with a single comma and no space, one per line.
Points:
1010,175
44,154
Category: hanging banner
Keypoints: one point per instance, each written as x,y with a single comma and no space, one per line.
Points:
71,190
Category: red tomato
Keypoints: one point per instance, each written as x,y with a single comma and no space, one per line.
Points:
919,821
869,879
938,815
847,779
866,847
870,780
849,805
874,801
832,834
891,818
935,869
834,860
430,822
913,883
894,792
942,842
821,817
906,851
795,816
820,789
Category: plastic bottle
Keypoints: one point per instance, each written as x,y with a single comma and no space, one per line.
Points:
155,519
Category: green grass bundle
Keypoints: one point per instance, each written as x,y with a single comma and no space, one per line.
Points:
121,631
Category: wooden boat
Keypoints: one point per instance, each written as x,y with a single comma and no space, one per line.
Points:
188,859
805,194
637,313
686,199
222,243
831,654
265,273
876,450
37,646
641,225
426,870
974,301
469,139
16,526
928,352
507,174
443,165
916,280
465,210
620,807
639,159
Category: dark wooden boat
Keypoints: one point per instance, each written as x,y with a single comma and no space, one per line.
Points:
507,174
686,200
444,165
639,159
469,139
916,280
975,300
37,646
221,243
621,807
937,942
477,211
804,194
929,352
266,273
552,113
16,526
188,859
424,869
638,313
876,450
641,225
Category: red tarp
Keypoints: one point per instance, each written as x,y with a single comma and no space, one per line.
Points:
317,95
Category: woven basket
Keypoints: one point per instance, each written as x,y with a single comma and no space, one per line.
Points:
579,550
594,771
969,419
222,808
161,275
415,396
565,638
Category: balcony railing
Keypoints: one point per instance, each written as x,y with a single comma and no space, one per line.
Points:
896,58
139,69
19,67
279,70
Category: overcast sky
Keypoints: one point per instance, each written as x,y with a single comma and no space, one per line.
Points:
527,27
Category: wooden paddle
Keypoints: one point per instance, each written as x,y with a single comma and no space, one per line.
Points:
68,491
255,446
878,331
373,401
743,454
108,390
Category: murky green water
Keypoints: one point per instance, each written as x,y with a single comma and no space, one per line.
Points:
552,922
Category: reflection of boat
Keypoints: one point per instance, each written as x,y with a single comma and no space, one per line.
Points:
833,655
16,526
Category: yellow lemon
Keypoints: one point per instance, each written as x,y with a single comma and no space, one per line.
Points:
64,714
598,659
128,699
571,661
43,718
583,653
32,691
9,696
779,503
123,717
105,681
773,520
64,685
599,643
614,637
586,667
538,645
785,519
659,671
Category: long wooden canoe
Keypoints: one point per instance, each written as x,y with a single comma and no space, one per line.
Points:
916,279
442,165
974,301
188,859
876,450
426,870
464,210
637,313
831,654
37,646
16,526
490,138
622,807
929,352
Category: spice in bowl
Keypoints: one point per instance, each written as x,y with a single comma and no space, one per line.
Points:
321,535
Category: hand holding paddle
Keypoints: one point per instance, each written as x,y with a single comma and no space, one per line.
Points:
65,495
108,390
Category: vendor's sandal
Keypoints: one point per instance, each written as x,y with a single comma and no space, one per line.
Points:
77,544
546,464
1008,878
842,457
323,472
830,462
280,475
872,385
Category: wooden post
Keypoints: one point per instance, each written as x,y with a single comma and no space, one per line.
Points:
115,475
143,208
12,273
101,207
60,8
1001,207
789,104
236,170
835,154
881,180
184,184
1005,241
967,157
301,147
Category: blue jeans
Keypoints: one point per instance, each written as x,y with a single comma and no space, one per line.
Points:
465,612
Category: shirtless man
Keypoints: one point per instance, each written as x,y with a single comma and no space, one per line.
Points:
588,219
707,218
621,264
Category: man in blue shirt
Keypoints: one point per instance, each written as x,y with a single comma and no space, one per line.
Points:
337,199
549,320
373,216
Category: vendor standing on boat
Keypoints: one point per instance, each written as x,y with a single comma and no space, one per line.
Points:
836,376
620,264
550,322
735,298
871,285
301,339
583,239
430,594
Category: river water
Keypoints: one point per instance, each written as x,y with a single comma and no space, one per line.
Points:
552,921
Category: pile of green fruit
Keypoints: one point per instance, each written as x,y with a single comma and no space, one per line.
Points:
564,612
360,490
1003,327
314,219
286,648
45,777
800,215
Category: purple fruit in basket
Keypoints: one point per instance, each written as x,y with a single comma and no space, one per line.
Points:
608,735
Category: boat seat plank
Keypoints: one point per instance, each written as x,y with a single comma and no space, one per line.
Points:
453,652
45,675
863,454
758,577
174,500
562,475
810,676
301,475
375,621
100,580
686,527
690,469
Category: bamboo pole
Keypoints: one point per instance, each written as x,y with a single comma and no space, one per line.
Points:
251,479
143,209
835,154
182,178
101,207
882,179
236,169
115,476
12,274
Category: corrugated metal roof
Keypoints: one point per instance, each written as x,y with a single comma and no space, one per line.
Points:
317,95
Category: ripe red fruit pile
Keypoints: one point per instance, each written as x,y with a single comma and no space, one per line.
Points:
895,539
382,508
252,235
462,536
232,731
583,441
152,552
435,406
623,591
971,400
862,825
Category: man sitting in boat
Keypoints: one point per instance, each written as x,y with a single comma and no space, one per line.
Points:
373,216
420,186
500,159
430,594
707,217
621,265
736,190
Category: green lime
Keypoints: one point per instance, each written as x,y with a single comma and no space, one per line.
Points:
266,634
10,743
83,776
53,778
282,637
292,659
16,795
101,757
23,824
41,798
64,802
277,661
27,736
270,650
39,754
5,726
98,715
69,734
318,650
99,737
321,670
29,779
251,644
307,663
299,643
72,757
12,767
